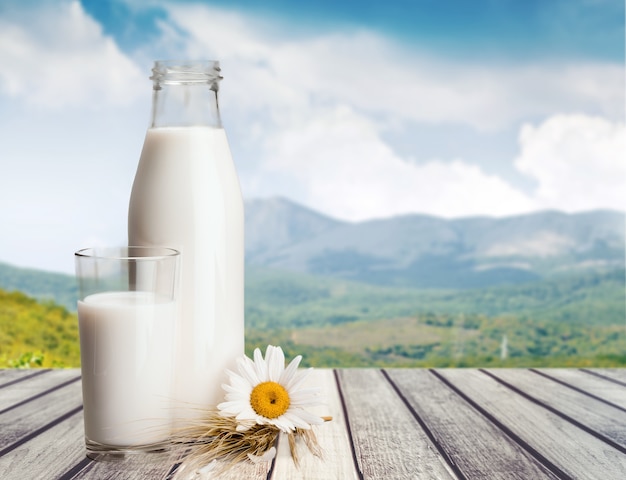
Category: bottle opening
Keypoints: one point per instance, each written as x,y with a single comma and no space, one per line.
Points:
181,72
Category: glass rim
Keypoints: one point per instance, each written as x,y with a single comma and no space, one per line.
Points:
117,253
178,63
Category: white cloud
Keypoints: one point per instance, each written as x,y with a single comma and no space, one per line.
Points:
343,168
57,56
380,77
579,162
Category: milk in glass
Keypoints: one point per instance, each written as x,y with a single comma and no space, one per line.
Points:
127,371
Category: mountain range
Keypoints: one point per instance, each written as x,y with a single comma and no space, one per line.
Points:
414,251
432,252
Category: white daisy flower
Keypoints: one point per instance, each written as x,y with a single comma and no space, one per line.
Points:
264,392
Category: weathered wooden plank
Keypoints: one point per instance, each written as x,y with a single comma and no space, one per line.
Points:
475,445
592,414
571,450
388,440
6,373
611,392
55,457
132,467
27,418
48,455
235,472
618,374
337,462
32,386
160,467
12,375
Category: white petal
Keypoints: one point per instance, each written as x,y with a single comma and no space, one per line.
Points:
290,371
242,398
237,382
275,359
308,397
284,424
248,370
242,427
256,354
247,414
238,385
298,378
229,388
295,419
241,383
237,396
310,417
261,365
231,408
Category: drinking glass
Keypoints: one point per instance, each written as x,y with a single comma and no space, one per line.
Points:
127,318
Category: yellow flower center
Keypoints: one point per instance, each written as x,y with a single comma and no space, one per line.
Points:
269,399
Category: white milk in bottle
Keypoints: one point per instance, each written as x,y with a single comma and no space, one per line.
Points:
186,195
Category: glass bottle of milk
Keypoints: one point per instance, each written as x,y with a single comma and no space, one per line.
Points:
186,195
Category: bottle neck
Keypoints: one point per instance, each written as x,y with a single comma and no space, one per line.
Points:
185,94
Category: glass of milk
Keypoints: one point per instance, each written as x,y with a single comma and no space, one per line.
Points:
127,317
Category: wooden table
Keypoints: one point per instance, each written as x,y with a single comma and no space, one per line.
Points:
388,424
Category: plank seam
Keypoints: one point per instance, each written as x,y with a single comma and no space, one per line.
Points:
39,431
560,414
599,375
453,466
39,395
348,429
510,433
576,389
25,377
172,471
84,465
270,473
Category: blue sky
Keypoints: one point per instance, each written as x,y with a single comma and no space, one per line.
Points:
499,28
355,109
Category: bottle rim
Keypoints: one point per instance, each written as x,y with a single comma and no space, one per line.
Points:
182,72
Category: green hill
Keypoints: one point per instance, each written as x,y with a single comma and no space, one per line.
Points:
36,333
285,299
40,284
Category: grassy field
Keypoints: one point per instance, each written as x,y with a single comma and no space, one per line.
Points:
422,342
573,321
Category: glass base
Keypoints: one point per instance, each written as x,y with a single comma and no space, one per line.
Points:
113,453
